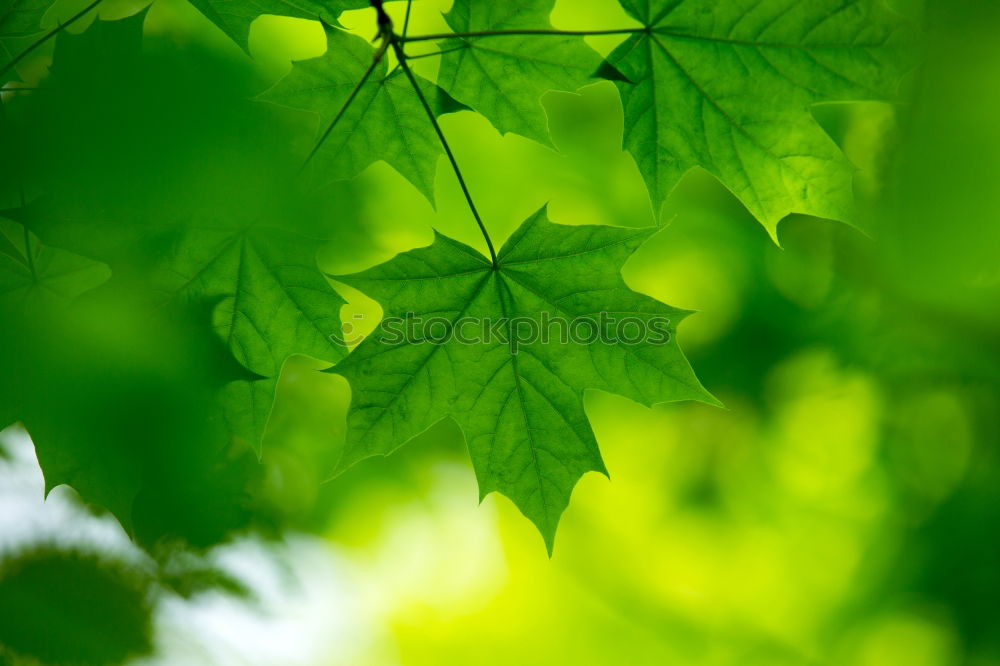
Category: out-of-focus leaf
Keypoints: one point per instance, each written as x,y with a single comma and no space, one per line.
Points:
270,300
33,270
33,276
20,20
66,607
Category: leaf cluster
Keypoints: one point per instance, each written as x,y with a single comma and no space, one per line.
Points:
726,87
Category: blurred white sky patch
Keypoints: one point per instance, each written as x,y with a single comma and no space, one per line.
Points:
27,517
302,611
311,602
303,606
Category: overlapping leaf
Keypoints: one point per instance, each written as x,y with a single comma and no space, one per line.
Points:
383,121
269,299
260,277
725,87
33,275
111,389
504,77
127,389
521,411
272,302
728,86
31,271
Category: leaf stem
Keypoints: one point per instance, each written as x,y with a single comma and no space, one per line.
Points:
395,41
406,20
514,33
46,37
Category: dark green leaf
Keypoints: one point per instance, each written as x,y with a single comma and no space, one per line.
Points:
385,120
19,19
73,608
504,77
728,87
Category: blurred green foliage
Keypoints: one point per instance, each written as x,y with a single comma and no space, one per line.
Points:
841,510
62,607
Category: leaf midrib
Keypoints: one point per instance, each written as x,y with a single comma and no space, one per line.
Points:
675,34
384,409
245,242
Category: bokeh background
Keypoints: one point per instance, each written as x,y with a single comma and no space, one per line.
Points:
842,509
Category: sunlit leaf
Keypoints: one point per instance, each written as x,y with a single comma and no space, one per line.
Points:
520,406
728,87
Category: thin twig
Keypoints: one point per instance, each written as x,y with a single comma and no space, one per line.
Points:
406,20
46,37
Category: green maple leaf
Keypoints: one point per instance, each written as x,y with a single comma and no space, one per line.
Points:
19,21
269,299
380,120
504,77
522,413
34,275
234,17
728,86
120,390
109,398
30,270
271,302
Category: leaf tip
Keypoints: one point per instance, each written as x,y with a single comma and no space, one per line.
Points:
710,399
